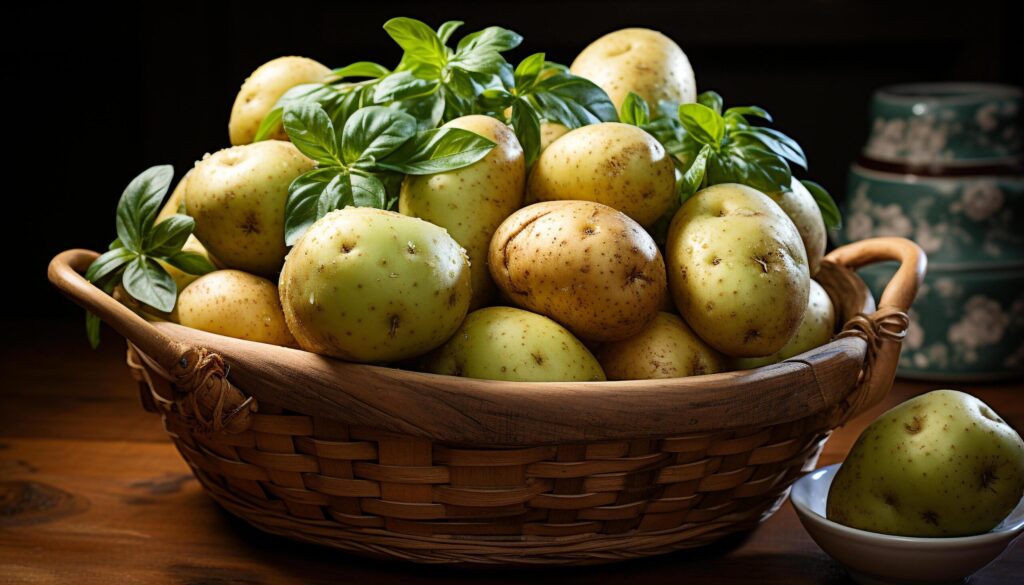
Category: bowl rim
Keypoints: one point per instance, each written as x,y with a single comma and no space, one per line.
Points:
965,92
997,534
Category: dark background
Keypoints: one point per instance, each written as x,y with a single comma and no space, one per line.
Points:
99,94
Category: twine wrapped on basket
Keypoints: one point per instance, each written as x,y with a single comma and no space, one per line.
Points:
438,469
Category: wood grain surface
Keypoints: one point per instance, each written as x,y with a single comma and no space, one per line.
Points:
92,491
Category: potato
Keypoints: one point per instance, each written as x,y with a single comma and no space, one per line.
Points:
641,61
737,270
263,88
583,264
368,285
471,202
237,197
800,206
504,343
667,348
615,164
236,304
816,328
550,132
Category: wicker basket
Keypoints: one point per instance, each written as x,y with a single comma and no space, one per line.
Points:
436,469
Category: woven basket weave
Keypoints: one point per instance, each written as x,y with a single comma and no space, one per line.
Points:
436,469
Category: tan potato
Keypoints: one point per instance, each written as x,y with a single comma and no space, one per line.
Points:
737,270
471,202
263,88
641,61
236,304
815,330
667,348
615,164
583,264
504,343
237,197
800,206
550,132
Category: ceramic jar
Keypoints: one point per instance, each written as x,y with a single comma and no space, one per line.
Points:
943,166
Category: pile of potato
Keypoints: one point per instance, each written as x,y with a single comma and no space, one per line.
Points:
500,271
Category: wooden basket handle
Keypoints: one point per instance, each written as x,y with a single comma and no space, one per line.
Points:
884,329
208,399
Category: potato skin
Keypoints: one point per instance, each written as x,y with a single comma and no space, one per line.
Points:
237,197
640,60
471,202
505,343
799,205
585,265
367,285
236,304
816,328
263,88
550,132
615,164
667,348
737,270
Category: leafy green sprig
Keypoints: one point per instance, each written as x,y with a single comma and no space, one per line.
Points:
132,258
363,165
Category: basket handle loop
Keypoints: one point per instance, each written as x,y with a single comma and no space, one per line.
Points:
883,330
209,402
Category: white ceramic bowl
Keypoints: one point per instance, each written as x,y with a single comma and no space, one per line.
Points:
873,558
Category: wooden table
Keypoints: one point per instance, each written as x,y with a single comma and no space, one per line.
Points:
91,491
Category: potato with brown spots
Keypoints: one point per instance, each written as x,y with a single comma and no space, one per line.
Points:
236,304
799,205
367,285
615,164
263,88
471,202
816,328
641,61
737,270
550,132
237,197
504,343
585,265
667,348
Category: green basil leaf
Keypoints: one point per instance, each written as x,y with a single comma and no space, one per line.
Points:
444,32
140,203
755,167
190,263
108,263
115,244
460,83
436,151
304,193
829,210
495,100
552,68
702,123
269,125
168,236
148,282
573,101
526,124
528,73
312,132
360,69
92,329
668,109
750,111
712,100
478,61
427,109
694,176
779,143
374,132
336,195
456,105
492,38
635,111
403,85
419,41
368,191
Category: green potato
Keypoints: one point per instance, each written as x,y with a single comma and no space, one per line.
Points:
618,165
585,265
940,464
263,88
737,270
667,348
503,343
799,205
367,285
237,197
641,61
816,328
471,202
235,304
